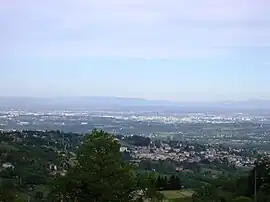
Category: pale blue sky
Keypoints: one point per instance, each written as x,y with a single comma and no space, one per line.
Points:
184,50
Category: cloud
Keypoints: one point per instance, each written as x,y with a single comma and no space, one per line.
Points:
133,28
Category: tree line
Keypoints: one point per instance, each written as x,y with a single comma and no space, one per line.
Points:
254,187
173,183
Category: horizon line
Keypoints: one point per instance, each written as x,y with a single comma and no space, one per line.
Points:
133,98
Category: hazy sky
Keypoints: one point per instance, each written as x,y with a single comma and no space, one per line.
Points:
181,50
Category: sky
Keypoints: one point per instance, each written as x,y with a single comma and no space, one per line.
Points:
181,50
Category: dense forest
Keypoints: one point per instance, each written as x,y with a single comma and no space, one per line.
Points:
56,166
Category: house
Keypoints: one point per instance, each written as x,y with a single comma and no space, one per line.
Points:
53,167
123,149
8,166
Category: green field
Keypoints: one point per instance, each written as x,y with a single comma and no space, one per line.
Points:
179,195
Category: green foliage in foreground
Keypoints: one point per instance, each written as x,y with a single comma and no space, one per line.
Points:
98,173
101,174
239,189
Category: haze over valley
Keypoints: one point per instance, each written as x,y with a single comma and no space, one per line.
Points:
236,123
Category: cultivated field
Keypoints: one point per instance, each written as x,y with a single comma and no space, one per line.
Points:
180,195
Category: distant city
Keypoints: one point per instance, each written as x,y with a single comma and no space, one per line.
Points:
247,127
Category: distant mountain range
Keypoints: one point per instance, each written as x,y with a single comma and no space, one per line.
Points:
77,102
95,101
